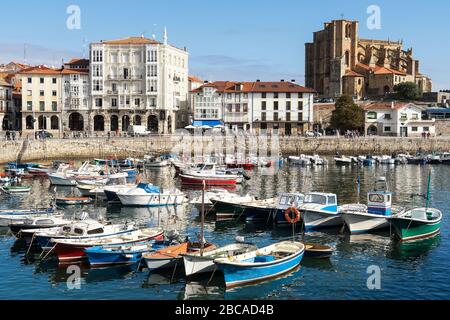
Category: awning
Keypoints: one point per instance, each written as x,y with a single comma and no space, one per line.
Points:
204,123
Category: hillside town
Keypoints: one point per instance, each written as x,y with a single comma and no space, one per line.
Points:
144,82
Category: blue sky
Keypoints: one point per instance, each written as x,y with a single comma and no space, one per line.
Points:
236,40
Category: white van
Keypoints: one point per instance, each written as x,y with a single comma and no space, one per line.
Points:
138,131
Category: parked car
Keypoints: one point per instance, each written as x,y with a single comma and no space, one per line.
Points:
312,134
42,134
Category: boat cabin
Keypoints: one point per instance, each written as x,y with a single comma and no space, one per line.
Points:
287,200
83,229
327,201
379,200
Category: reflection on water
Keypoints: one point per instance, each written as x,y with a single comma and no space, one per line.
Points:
343,276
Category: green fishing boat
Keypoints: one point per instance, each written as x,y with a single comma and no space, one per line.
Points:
418,223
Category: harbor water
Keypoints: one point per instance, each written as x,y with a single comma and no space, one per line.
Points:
417,270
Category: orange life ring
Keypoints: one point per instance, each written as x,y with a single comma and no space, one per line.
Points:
287,215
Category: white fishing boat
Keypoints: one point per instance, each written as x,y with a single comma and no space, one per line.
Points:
320,210
302,160
204,263
386,160
343,160
148,195
214,193
360,218
8,217
155,162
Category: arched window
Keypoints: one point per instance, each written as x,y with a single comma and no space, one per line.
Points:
54,123
99,123
347,58
137,120
114,123
29,123
347,30
42,123
125,123
76,122
371,115
153,125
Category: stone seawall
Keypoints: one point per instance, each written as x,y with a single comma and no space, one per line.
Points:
54,149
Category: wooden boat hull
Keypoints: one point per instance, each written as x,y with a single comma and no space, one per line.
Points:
317,251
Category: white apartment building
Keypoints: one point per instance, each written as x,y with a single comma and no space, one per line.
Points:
137,81
397,119
6,103
258,107
76,101
41,100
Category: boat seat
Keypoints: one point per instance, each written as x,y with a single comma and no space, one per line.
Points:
261,259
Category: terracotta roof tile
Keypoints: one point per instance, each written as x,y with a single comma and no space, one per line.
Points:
351,73
231,86
195,79
385,105
131,40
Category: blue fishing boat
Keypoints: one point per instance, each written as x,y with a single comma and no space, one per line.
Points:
320,210
101,256
262,264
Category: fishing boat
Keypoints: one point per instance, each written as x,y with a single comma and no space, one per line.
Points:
228,205
318,251
155,162
210,194
148,195
259,211
108,255
261,264
68,250
418,223
360,218
209,174
385,160
39,222
111,192
171,256
320,210
204,263
15,189
77,230
73,201
302,160
8,216
342,160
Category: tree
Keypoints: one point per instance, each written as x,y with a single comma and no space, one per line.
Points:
347,115
407,91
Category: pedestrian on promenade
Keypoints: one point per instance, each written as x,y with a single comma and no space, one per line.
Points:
428,135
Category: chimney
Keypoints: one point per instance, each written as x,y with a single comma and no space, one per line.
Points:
392,105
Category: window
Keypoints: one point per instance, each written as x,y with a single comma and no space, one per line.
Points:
288,105
275,116
54,106
288,95
114,102
41,93
300,106
137,102
95,231
54,80
275,95
29,93
41,106
263,117
387,129
288,116
29,105
264,95
415,116
387,116
371,115
414,129
404,117
275,105
41,80
264,105
426,129
300,116
54,93
30,80
98,102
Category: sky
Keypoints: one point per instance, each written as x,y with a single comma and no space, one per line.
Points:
240,40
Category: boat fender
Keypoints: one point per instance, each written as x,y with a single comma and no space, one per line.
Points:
288,217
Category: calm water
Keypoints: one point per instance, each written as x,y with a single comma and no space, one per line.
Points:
408,271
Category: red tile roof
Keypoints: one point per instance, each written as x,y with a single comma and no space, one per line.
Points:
380,70
131,40
385,105
351,73
231,86
75,71
41,70
195,79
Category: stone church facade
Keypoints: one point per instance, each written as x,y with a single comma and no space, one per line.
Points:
339,62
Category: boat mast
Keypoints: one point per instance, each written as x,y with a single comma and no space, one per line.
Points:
428,192
202,243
